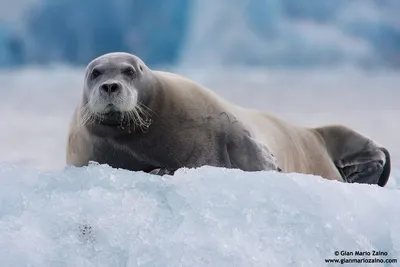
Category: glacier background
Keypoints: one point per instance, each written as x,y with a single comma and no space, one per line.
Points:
277,33
310,62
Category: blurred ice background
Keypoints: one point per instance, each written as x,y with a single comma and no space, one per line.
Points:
275,33
312,62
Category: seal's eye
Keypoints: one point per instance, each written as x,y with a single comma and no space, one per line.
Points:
95,73
129,72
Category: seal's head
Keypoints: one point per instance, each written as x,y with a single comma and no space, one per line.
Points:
112,82
115,83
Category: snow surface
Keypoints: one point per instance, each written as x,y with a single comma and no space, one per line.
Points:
199,217
202,217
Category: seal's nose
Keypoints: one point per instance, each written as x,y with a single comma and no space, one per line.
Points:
110,88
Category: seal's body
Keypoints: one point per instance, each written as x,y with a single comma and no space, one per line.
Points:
139,119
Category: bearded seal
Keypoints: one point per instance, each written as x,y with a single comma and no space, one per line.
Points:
139,119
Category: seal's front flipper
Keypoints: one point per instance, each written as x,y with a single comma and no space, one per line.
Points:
162,171
370,166
248,154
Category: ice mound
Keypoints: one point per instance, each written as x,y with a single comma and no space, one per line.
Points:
199,217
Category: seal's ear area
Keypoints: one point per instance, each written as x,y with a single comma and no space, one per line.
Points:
384,178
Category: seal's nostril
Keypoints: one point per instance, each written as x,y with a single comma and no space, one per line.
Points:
110,87
104,88
114,87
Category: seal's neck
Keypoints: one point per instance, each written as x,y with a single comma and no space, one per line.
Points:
154,97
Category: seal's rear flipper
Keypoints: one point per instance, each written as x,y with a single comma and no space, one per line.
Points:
369,167
384,178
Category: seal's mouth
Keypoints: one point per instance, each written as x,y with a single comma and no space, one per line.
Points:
110,111
111,116
110,108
